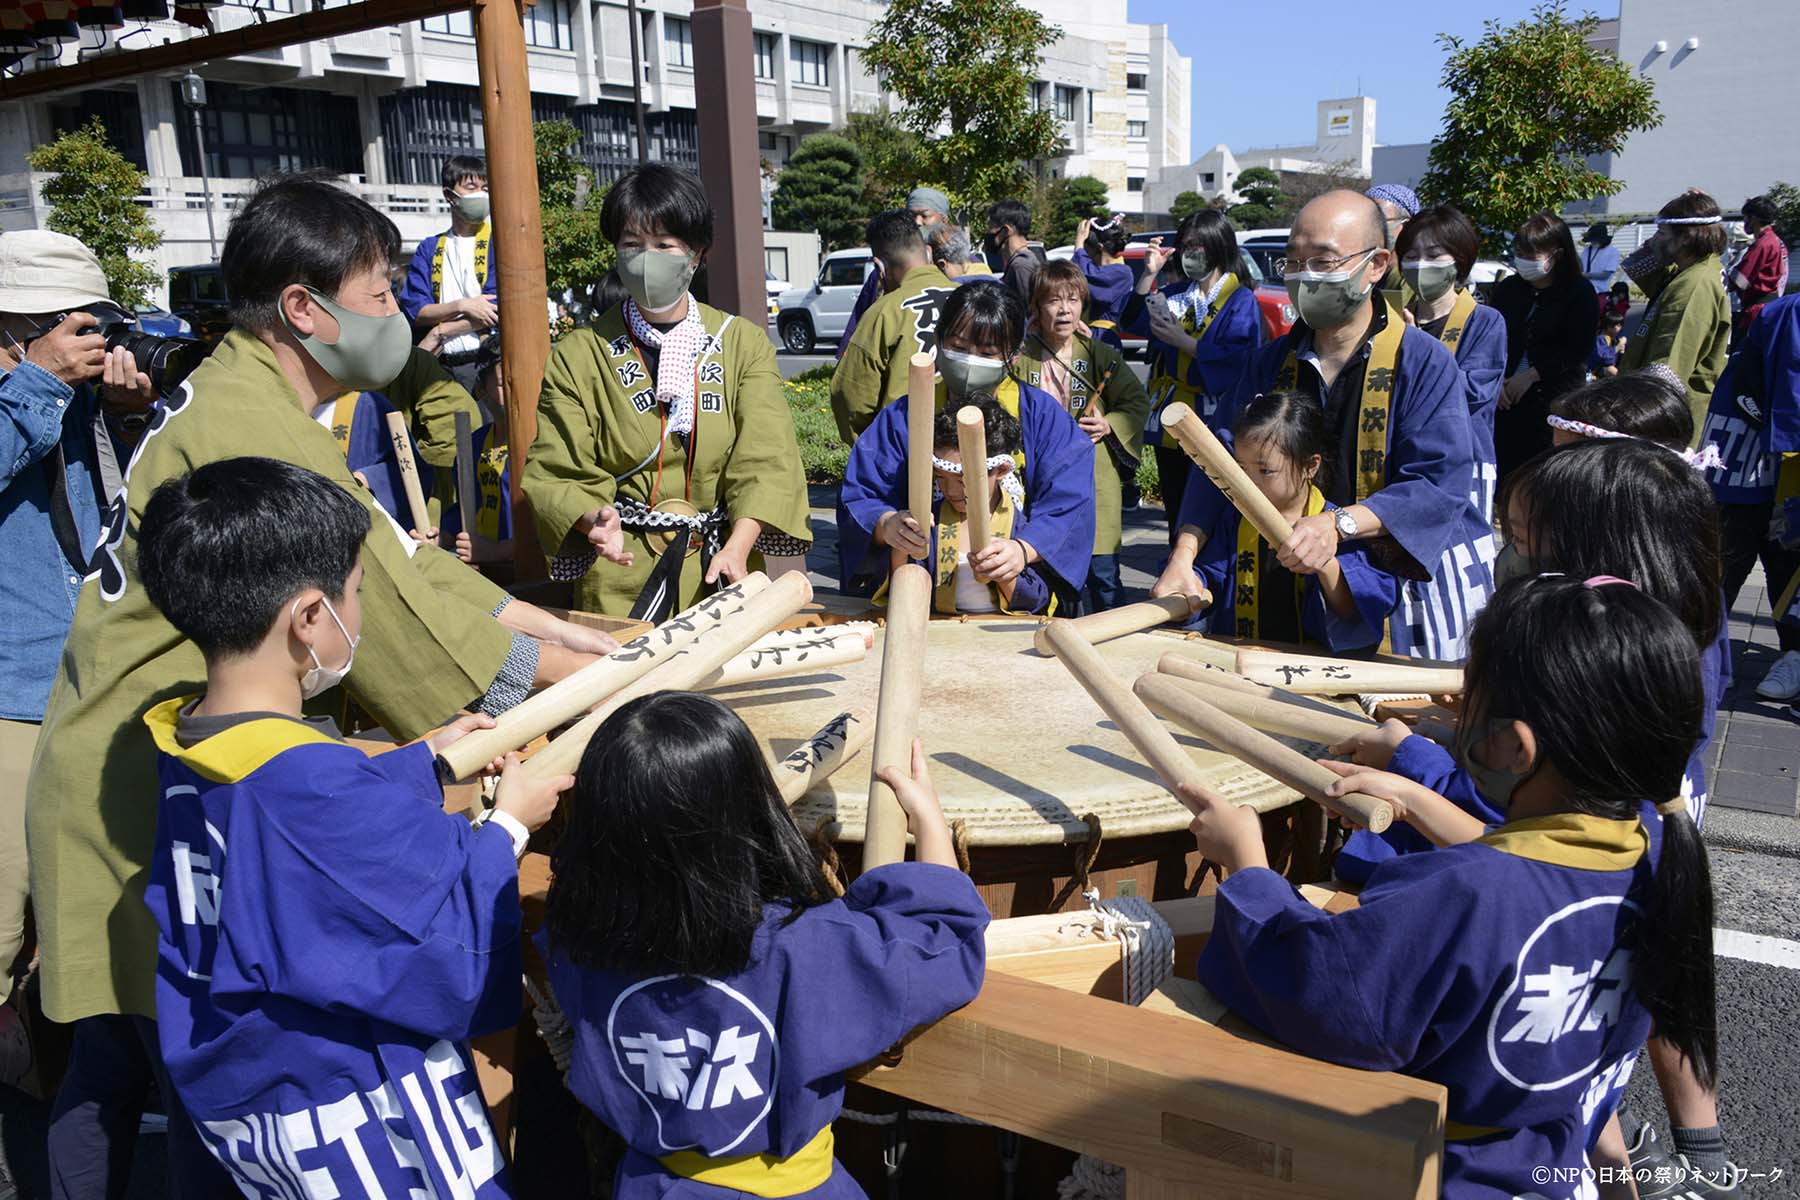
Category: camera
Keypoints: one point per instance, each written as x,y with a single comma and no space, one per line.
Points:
166,360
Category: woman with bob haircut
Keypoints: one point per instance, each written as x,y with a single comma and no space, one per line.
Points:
1688,323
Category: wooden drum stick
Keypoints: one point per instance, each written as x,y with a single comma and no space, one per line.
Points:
1183,667
841,740
770,660
1184,706
681,672
897,710
921,408
409,471
1310,676
971,438
1150,736
1277,716
570,697
1130,618
1211,456
468,498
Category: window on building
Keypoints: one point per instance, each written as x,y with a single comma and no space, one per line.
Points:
810,62
421,127
1206,179
252,132
1136,82
1134,183
456,24
1090,116
678,40
547,25
118,113
1137,129
765,56
1067,101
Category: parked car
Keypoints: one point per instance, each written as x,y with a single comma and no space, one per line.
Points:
1485,274
163,323
197,296
775,287
806,316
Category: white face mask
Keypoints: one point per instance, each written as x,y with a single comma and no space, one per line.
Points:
319,677
1531,268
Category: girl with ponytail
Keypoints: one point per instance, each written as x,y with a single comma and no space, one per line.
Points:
1521,965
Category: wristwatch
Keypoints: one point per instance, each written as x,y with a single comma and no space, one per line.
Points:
1346,524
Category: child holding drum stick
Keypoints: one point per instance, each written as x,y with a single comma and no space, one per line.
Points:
1281,442
715,990
1521,966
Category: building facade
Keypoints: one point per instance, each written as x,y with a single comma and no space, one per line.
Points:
387,106
1343,141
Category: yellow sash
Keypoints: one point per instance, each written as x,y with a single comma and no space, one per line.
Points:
760,1174
482,239
1460,313
343,415
1164,387
1377,400
489,465
1249,568
950,530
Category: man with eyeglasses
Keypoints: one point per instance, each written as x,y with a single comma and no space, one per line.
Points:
1402,453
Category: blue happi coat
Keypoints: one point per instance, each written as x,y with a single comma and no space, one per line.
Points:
1754,415
753,1064
369,450
1502,968
1058,475
1374,590
1220,352
1481,357
1425,503
330,939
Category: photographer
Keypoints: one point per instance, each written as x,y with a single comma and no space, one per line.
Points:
71,412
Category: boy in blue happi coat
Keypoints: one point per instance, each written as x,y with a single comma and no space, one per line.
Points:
715,989
330,937
1522,965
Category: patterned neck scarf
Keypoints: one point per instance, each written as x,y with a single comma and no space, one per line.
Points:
677,361
1009,482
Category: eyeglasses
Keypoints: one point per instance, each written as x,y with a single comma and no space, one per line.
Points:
1320,264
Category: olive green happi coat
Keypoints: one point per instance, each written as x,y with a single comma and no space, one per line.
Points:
1686,328
429,646
873,370
1126,405
598,418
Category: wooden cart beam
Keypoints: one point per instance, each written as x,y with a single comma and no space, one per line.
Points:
310,26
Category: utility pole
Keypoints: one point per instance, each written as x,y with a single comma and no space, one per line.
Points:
193,90
637,85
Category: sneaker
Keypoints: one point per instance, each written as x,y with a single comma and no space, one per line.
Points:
1783,680
1674,1179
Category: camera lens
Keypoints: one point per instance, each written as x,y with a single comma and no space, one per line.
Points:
166,360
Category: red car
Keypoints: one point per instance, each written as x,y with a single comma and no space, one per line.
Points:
1272,298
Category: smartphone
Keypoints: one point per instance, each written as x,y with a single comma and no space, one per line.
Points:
1158,304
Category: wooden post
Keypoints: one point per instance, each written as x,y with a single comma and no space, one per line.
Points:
971,438
518,249
897,711
730,163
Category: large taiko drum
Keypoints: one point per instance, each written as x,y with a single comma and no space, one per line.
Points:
1047,796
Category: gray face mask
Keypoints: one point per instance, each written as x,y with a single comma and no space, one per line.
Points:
472,207
1429,277
369,351
1327,299
656,279
1495,785
965,373
1509,565
1193,265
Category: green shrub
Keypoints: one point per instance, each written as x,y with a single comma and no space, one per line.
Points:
1147,480
822,455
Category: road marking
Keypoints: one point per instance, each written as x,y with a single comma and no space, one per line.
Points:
1754,947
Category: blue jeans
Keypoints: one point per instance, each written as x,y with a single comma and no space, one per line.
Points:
1102,590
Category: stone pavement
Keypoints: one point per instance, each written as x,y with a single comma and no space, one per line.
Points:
1756,747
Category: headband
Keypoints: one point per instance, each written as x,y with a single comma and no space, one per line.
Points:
1600,581
1705,458
1712,220
1009,483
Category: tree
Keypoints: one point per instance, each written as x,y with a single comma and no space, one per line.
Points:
93,199
1185,204
1529,104
1263,202
1786,199
890,156
970,65
576,253
1082,197
821,188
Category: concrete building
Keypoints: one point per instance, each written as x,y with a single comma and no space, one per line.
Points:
1343,140
385,107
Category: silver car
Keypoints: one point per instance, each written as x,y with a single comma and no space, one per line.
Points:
817,313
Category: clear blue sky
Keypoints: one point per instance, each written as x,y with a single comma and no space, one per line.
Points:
1260,67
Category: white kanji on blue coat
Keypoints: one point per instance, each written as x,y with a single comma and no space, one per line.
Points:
1550,1027
701,1055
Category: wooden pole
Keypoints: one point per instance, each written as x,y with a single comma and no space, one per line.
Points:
1211,456
1185,706
841,740
518,250
730,163
1313,676
921,376
1130,618
971,439
468,498
1278,716
409,471
897,710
